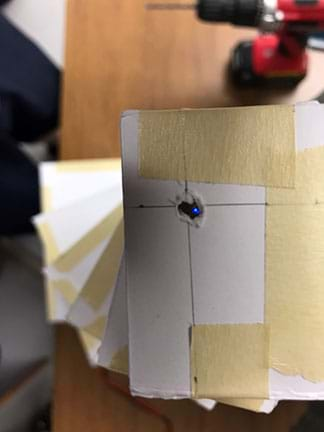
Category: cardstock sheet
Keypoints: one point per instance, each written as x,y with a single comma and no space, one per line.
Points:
91,309
55,227
159,250
63,183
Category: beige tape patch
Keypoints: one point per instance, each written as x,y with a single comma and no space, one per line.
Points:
50,294
62,286
97,328
309,181
119,362
295,294
103,278
295,271
89,242
51,248
65,288
230,361
89,165
46,198
89,344
253,146
248,404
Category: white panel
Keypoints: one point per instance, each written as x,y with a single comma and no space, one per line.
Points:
309,125
67,187
228,265
159,303
228,194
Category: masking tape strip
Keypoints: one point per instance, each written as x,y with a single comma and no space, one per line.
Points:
51,247
309,181
248,404
97,328
295,271
252,146
230,361
64,287
120,363
90,345
89,165
103,278
46,198
294,287
51,307
90,241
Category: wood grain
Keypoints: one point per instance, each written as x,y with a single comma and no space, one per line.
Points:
120,56
85,400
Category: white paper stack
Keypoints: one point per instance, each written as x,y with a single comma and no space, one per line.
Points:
82,231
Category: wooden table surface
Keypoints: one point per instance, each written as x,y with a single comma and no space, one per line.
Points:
120,56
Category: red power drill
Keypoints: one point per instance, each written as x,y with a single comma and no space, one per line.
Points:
279,53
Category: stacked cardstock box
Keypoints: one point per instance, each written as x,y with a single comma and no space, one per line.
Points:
223,303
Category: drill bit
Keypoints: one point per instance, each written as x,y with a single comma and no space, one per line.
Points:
170,6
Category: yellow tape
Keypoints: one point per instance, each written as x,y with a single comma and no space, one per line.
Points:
46,198
89,343
89,242
119,362
50,295
49,242
295,271
230,361
309,181
97,328
89,165
295,294
248,404
103,278
254,145
65,288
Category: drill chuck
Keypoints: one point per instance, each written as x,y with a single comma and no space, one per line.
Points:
238,12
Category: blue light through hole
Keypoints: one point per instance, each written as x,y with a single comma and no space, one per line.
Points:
196,211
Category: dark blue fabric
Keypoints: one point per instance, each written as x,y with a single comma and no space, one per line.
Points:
29,100
19,189
29,86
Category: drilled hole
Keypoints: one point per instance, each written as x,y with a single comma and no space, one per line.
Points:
190,208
